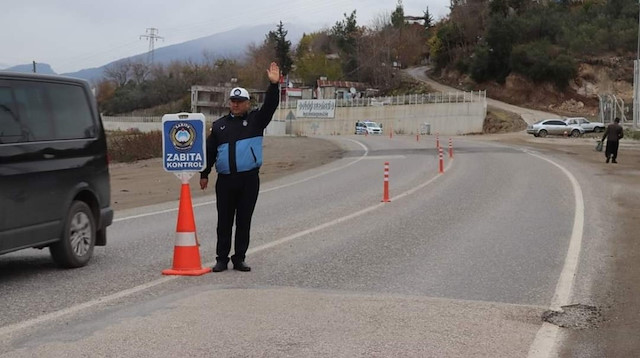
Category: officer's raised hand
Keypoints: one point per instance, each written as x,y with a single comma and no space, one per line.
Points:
274,73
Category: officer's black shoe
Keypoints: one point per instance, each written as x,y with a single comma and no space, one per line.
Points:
614,161
219,267
608,159
241,266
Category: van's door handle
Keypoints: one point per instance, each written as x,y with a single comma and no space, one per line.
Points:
48,156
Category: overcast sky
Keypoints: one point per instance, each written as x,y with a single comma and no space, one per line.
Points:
71,35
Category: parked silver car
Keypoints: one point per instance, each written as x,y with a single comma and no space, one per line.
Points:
554,126
585,124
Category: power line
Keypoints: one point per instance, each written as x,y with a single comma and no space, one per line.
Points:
152,35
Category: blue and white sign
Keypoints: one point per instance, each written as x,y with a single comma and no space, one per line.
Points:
183,142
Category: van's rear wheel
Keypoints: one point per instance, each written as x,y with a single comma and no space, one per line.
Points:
78,237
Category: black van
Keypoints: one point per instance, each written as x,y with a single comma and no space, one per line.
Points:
54,174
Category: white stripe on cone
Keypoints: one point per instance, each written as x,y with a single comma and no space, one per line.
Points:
185,239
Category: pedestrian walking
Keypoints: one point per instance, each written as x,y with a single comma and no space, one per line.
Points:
235,147
613,134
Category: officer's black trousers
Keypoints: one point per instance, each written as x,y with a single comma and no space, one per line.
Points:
236,196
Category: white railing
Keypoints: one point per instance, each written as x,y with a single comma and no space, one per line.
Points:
424,98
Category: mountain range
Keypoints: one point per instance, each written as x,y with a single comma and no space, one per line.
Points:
229,44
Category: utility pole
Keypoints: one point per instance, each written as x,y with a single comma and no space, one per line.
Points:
636,81
152,36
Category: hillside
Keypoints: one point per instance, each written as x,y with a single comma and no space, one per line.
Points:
597,76
40,68
554,56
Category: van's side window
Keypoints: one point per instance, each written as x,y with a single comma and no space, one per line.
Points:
32,111
9,123
54,111
71,112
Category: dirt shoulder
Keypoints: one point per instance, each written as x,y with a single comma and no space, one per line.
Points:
146,182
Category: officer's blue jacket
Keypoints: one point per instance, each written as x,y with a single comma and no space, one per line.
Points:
235,143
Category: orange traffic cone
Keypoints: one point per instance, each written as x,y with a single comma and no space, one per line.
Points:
186,254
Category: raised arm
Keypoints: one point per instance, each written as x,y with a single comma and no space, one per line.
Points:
272,97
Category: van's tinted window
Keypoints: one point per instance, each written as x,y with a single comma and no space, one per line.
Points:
71,112
9,125
48,111
32,111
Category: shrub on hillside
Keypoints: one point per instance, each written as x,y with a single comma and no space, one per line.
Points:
132,145
541,61
479,67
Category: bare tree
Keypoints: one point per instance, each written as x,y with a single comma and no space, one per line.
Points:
253,72
471,17
139,71
118,72
381,21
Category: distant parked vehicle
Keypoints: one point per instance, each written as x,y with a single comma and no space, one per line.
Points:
368,127
585,124
555,127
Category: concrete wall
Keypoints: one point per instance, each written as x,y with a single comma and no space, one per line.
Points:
443,118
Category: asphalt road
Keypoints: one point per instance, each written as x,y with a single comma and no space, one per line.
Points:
459,264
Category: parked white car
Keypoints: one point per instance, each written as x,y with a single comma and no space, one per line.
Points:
554,126
585,124
368,127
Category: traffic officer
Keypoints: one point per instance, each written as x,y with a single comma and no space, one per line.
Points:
235,147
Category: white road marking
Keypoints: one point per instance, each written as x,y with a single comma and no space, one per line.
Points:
366,152
339,220
380,157
545,343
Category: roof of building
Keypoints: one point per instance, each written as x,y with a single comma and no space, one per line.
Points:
342,84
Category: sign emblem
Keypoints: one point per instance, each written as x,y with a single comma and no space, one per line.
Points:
182,135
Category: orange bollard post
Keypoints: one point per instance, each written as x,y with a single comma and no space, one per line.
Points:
441,160
437,141
385,193
186,253
450,148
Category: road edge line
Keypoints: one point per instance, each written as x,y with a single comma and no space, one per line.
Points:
545,343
